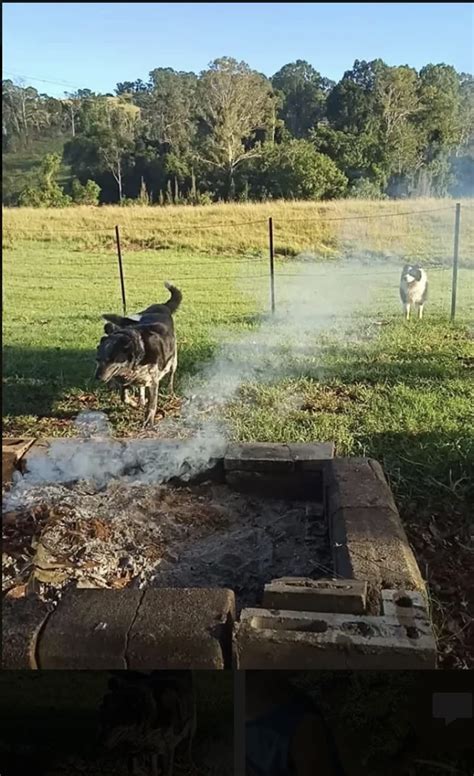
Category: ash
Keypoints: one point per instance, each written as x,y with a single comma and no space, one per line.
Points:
158,535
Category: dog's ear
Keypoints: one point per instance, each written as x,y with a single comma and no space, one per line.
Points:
110,328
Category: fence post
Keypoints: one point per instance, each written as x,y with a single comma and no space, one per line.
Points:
272,264
454,289
122,282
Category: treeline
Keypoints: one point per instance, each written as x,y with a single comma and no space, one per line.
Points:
230,133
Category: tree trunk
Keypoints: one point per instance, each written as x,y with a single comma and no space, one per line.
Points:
231,185
119,181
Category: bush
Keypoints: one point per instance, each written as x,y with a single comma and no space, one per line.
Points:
363,188
48,193
85,195
295,170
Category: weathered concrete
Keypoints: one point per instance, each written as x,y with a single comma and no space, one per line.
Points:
13,450
89,630
367,537
357,483
264,457
22,622
343,596
405,605
312,456
182,628
285,640
259,457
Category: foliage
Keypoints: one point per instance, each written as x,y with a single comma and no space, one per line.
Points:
388,129
295,170
48,193
85,195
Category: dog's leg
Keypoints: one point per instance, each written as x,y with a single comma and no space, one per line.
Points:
127,397
142,396
420,312
407,312
174,366
152,403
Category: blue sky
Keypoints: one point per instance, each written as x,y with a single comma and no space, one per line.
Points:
95,45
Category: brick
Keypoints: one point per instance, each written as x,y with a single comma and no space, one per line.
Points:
259,457
22,621
89,630
285,640
301,594
13,450
371,544
313,456
357,483
182,628
405,605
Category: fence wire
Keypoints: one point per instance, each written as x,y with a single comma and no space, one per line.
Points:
224,266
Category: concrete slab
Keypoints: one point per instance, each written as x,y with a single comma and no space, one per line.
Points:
22,622
356,483
312,456
187,628
89,630
322,595
258,457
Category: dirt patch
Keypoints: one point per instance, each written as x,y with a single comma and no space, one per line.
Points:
162,536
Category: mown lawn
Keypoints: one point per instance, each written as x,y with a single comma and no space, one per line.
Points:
376,385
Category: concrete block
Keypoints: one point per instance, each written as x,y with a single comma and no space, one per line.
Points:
312,456
13,450
357,483
89,630
371,544
182,628
22,621
405,605
346,596
259,457
266,639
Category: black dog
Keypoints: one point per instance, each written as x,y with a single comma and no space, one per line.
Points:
141,349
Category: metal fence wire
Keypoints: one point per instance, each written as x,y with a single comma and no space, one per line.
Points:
258,258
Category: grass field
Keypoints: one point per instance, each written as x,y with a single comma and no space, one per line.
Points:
400,392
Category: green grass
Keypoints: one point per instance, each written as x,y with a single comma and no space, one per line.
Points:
400,392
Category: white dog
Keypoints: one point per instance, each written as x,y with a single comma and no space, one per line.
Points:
413,289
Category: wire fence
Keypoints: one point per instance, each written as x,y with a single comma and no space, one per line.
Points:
246,265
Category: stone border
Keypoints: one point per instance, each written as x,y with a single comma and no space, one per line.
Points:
377,585
121,629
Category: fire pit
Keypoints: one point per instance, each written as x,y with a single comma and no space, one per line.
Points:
263,555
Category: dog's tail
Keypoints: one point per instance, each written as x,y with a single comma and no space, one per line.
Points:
175,299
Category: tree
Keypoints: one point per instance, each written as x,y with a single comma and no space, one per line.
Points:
85,195
304,93
110,126
234,103
48,193
295,170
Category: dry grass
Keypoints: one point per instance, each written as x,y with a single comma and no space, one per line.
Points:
419,229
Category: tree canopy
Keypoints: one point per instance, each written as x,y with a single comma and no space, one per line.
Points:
231,132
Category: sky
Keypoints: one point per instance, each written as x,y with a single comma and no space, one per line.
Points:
59,47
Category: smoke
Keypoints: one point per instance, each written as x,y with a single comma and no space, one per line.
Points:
316,304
